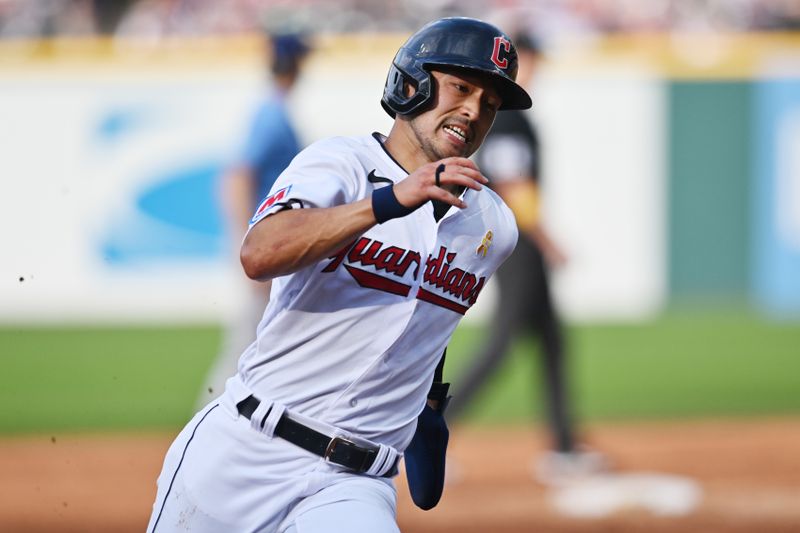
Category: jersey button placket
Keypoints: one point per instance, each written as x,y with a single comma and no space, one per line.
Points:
427,242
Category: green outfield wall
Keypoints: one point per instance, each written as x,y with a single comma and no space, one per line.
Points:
709,187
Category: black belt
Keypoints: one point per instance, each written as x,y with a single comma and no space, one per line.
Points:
337,450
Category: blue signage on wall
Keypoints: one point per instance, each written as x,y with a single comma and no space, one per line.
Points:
177,218
776,197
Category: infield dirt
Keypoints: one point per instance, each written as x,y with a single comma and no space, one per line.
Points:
748,471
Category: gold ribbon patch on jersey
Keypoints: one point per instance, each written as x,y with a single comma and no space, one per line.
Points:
486,242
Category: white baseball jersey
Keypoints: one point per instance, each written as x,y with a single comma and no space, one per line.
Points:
348,346
353,340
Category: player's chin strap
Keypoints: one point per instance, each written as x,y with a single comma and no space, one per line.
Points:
426,454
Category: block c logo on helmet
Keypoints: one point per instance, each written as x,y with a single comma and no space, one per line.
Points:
501,43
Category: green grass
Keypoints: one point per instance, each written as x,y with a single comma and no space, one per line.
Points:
101,378
685,364
681,365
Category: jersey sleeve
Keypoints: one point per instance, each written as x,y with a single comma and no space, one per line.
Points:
507,157
320,176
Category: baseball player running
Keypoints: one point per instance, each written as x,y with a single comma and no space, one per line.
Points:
377,246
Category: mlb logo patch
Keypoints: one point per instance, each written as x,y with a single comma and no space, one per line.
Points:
268,202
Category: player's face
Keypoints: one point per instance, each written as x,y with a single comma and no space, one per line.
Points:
463,111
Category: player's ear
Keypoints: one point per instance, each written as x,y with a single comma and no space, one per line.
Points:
409,89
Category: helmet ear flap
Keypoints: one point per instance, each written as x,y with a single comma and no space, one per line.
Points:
406,69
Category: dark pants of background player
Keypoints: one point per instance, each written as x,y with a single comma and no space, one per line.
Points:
525,306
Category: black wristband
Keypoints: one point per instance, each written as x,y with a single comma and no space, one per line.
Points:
386,207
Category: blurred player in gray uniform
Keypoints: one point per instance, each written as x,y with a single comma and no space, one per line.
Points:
377,246
511,158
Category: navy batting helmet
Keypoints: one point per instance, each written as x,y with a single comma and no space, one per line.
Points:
453,42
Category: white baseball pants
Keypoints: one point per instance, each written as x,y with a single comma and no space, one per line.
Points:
221,475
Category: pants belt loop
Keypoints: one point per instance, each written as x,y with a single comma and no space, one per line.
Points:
273,418
386,459
266,416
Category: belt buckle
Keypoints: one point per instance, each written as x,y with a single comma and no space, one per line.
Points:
335,441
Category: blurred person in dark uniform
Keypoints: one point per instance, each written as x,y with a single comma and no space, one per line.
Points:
510,158
271,145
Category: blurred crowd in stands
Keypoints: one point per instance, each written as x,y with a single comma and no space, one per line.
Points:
156,18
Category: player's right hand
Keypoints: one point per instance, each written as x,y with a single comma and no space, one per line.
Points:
420,186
